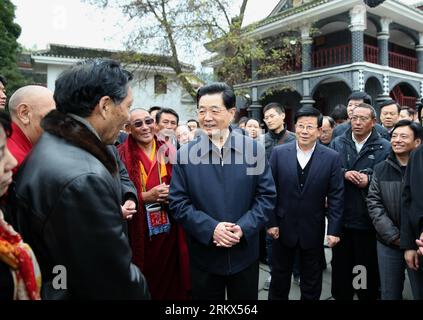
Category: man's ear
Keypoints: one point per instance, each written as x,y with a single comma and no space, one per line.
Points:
104,106
23,113
417,142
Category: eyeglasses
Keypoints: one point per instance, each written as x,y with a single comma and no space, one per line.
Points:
213,110
301,127
361,118
138,123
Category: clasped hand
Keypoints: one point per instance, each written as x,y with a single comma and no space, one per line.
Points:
227,234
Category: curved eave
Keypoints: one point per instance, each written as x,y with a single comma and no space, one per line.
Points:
68,61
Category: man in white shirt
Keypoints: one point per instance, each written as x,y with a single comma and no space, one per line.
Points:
306,173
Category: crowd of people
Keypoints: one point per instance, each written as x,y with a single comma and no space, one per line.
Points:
132,204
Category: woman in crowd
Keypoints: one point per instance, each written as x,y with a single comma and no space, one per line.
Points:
20,277
252,126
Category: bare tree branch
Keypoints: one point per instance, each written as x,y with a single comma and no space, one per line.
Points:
222,7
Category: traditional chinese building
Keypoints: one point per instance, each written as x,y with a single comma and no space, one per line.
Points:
346,46
155,82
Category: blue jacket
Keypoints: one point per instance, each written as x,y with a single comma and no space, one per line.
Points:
300,214
210,187
375,150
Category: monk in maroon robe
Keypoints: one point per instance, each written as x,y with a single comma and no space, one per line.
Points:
158,243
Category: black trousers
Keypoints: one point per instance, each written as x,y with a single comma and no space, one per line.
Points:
357,249
310,271
240,286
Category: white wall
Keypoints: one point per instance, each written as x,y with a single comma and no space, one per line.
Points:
143,91
53,72
144,97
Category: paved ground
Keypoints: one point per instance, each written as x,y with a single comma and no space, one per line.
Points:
326,294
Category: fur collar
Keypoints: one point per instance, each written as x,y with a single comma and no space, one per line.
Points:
77,134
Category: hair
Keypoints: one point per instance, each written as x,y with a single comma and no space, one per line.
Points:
252,119
417,128
243,120
388,103
309,112
331,121
3,80
154,108
367,106
228,94
80,88
339,113
360,96
275,106
193,120
6,122
419,113
411,112
167,110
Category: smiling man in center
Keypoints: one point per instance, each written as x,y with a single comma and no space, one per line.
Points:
222,199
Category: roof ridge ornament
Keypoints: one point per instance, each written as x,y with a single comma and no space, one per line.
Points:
373,3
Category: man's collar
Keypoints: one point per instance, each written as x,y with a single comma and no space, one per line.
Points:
362,142
301,150
206,145
277,135
86,123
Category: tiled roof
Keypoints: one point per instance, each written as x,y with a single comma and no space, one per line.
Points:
314,3
71,52
290,12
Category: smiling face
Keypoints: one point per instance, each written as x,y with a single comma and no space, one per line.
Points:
403,141
141,127
213,116
118,116
168,121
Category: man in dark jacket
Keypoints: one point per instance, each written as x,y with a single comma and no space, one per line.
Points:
412,220
361,148
384,202
222,192
307,176
69,189
274,117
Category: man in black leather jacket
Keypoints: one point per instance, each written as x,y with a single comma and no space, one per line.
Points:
69,190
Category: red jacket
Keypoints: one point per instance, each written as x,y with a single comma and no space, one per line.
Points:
18,145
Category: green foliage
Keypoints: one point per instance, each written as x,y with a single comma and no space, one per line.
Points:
244,59
170,27
9,47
